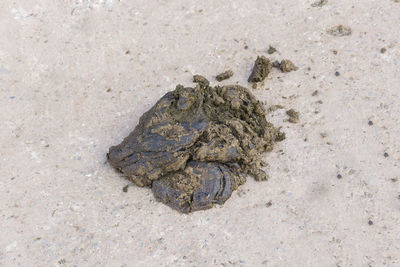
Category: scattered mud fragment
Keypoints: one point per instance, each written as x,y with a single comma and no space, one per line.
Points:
275,108
319,3
261,69
287,66
195,145
125,188
271,50
225,75
276,64
200,80
293,116
339,31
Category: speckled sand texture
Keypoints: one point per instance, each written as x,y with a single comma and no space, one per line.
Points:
75,76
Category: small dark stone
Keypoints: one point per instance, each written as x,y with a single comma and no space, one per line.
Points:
246,47
385,154
268,204
370,222
335,52
339,176
315,93
337,73
370,123
383,50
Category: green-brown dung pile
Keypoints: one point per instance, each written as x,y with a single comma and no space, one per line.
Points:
195,145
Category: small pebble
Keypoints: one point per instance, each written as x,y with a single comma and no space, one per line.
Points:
268,204
385,154
339,176
337,73
370,123
383,50
370,222
125,188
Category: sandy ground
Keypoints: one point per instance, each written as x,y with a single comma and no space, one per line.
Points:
75,76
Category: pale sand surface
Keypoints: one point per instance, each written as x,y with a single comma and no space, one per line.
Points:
61,204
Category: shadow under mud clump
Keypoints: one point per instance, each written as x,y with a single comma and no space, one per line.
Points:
195,146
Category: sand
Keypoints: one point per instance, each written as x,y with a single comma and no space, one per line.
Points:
75,76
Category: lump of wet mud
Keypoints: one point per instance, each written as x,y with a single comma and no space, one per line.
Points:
261,69
225,75
195,146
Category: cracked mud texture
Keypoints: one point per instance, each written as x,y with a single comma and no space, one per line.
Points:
195,146
262,67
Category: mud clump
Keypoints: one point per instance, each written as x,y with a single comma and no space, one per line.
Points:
285,65
319,3
262,67
225,75
271,50
200,80
195,146
293,116
339,31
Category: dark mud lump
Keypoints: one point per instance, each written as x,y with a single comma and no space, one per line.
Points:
262,67
195,145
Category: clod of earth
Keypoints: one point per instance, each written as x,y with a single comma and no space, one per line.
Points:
319,3
271,50
339,30
285,65
195,145
225,75
293,115
261,69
